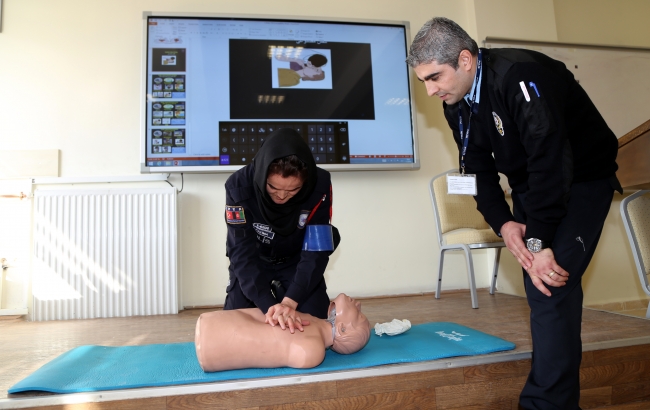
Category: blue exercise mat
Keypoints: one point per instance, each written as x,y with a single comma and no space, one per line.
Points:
95,368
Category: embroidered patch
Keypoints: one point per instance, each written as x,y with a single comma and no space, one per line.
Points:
235,215
302,219
498,123
264,230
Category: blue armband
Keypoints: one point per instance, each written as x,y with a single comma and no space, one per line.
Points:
318,238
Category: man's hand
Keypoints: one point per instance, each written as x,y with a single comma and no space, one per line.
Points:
541,267
546,270
285,315
513,235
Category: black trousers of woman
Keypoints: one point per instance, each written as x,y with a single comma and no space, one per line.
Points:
316,303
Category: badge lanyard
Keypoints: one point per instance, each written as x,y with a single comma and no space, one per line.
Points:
465,138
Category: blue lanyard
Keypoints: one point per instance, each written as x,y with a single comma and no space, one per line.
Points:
464,137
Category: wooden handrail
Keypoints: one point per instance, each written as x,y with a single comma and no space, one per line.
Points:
633,158
634,134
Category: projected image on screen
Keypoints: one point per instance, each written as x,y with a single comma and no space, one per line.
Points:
301,68
344,93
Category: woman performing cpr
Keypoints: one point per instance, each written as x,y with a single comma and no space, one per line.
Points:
273,207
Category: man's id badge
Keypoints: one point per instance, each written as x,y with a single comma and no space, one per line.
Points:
459,184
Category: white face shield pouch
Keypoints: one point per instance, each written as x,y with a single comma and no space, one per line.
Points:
393,328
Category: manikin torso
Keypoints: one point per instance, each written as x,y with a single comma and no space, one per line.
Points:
236,339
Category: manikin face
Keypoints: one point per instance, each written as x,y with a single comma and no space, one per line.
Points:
445,82
352,328
347,309
282,189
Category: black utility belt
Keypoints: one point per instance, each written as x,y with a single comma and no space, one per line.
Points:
276,260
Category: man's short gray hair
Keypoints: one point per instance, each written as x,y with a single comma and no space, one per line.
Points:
440,40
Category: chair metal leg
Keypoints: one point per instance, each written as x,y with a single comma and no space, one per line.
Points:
439,284
647,312
470,275
495,271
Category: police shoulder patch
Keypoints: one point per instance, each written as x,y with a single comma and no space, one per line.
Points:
498,123
235,215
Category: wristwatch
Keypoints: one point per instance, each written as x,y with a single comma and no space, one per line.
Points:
536,245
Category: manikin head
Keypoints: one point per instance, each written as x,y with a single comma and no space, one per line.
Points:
351,327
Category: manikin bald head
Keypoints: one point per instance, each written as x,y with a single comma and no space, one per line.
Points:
351,327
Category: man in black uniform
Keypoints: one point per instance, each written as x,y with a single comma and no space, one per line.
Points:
530,120
269,204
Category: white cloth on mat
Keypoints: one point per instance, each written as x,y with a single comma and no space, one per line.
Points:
392,328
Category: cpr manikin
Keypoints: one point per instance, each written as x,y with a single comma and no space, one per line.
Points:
238,339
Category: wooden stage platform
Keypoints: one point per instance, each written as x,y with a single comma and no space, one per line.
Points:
615,370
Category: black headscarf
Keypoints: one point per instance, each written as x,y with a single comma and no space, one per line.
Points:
283,218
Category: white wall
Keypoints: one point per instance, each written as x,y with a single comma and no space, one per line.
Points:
526,20
603,22
71,71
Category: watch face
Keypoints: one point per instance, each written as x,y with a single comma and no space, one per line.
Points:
534,245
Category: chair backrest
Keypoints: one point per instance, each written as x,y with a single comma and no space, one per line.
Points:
635,210
453,211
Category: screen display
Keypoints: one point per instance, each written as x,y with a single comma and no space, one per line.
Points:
216,87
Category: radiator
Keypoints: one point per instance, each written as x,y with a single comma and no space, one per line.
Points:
104,253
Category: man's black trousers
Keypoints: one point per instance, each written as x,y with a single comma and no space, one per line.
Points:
555,322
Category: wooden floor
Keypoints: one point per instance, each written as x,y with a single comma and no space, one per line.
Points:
615,372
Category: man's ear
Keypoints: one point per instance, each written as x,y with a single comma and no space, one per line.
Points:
340,328
465,60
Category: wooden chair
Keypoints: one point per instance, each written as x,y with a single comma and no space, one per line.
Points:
635,210
461,227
